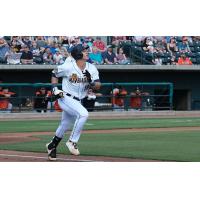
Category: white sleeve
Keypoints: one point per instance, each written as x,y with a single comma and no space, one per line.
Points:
95,74
61,70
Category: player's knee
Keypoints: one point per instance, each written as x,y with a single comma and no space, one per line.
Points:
64,125
84,114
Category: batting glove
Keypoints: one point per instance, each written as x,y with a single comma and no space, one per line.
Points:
57,92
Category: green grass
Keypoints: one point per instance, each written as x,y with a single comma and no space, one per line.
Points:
170,146
51,125
174,146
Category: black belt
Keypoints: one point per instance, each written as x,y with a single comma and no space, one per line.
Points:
69,95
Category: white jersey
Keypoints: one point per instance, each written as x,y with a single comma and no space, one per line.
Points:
74,82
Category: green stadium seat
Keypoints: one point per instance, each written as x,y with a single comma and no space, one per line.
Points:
191,44
198,60
197,44
194,60
192,49
190,54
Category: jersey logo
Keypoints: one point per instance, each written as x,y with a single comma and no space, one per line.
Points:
75,79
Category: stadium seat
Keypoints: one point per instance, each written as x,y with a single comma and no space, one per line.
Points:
191,44
197,48
167,54
194,60
192,49
161,55
139,44
179,39
190,54
166,60
178,54
196,44
197,54
198,60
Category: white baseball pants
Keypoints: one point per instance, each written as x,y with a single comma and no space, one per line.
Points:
73,111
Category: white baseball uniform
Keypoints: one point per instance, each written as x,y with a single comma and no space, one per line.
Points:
75,87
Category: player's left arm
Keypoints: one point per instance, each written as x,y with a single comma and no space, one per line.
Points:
93,78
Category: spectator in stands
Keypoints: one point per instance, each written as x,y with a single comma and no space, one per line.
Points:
109,56
17,43
53,46
64,53
171,46
118,95
138,38
173,60
160,47
148,45
12,56
37,53
183,46
47,56
96,56
4,48
27,55
137,98
157,39
57,57
26,41
71,46
77,40
157,60
41,100
195,38
99,44
117,41
89,41
183,60
5,104
121,57
51,39
40,41
64,41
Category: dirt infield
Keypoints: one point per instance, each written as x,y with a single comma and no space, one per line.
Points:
17,156
30,136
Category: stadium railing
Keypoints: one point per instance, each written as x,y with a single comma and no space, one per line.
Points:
160,96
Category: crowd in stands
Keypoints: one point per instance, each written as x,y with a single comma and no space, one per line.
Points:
168,50
55,49
156,50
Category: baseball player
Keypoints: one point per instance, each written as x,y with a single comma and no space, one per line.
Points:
77,77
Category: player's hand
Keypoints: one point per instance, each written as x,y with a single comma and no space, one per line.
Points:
57,92
88,76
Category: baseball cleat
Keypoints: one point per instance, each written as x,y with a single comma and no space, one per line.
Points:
51,153
72,146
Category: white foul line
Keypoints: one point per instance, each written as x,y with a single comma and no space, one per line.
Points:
37,157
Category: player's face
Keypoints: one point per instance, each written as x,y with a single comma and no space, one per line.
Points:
85,54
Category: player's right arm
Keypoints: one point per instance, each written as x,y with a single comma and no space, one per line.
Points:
54,82
59,71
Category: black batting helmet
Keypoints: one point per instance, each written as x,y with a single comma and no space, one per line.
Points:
77,51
